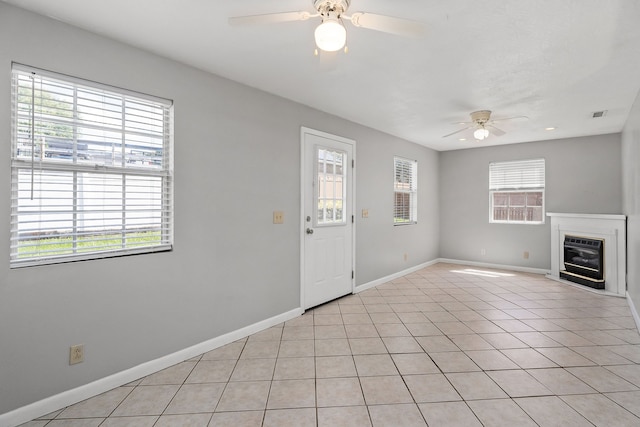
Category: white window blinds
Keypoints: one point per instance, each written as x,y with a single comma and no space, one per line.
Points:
91,170
405,209
516,175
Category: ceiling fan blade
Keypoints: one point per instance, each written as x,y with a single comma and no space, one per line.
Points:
509,118
387,24
458,131
270,18
496,131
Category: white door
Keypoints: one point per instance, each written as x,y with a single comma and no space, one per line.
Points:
327,217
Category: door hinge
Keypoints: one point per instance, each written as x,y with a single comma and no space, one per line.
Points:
353,219
352,274
353,163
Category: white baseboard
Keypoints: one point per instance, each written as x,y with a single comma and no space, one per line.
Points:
66,398
497,266
634,311
390,277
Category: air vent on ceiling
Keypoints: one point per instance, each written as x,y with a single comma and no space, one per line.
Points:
597,114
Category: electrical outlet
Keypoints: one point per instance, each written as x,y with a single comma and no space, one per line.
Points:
406,256
365,213
525,255
483,251
76,354
278,217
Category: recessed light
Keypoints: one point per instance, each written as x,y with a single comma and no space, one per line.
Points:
550,128
462,139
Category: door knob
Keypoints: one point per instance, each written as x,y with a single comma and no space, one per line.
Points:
309,230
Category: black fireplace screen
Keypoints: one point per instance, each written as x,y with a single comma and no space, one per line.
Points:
584,260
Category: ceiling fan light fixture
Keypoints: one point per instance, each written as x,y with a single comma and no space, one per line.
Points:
480,134
331,35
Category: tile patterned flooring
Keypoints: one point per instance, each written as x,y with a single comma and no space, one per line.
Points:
445,346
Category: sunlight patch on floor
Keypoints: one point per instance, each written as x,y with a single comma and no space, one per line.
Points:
482,273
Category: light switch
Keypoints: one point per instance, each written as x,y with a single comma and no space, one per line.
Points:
365,213
278,217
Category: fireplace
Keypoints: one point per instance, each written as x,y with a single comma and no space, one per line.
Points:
584,261
608,228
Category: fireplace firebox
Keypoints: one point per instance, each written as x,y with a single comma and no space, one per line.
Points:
584,261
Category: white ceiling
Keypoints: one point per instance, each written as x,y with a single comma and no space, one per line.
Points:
555,61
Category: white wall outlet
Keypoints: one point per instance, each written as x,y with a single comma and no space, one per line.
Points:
483,251
278,217
406,256
76,354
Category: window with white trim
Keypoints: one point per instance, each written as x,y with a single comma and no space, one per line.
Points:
91,170
405,191
516,192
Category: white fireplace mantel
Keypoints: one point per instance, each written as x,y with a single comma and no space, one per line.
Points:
611,228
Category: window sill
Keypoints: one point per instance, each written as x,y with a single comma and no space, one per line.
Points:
91,256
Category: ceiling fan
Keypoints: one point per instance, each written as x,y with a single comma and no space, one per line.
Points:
331,34
481,121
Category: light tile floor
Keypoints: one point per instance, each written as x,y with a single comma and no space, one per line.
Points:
445,346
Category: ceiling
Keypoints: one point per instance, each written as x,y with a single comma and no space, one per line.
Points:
554,61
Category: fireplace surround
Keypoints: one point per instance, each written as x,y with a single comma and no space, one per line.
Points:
606,230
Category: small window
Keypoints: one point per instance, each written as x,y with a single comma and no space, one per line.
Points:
516,192
405,206
331,186
91,170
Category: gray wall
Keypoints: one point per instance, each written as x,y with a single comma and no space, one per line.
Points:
631,199
582,176
230,266
378,239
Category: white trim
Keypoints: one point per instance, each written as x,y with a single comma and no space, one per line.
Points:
69,397
587,216
385,279
303,221
498,266
634,311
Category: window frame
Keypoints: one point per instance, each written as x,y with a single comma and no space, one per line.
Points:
153,177
519,176
411,191
320,189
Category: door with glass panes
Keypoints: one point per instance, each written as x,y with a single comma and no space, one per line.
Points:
327,222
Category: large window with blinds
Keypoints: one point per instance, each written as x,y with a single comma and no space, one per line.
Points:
405,191
516,191
91,170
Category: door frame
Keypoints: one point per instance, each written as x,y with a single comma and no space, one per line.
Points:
351,189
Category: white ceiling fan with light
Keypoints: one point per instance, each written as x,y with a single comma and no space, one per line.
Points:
483,125
331,34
